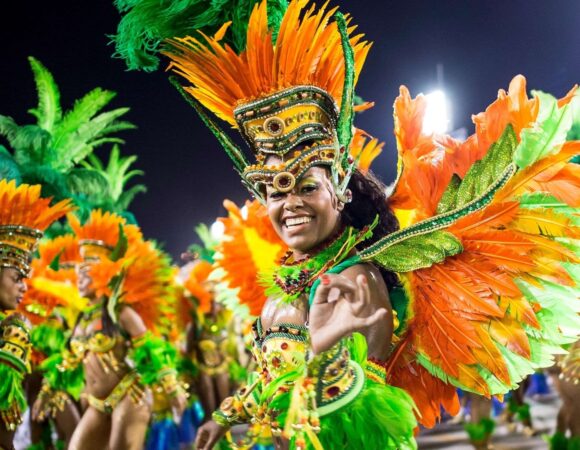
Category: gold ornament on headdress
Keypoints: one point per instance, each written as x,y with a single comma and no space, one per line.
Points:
101,234
292,98
24,215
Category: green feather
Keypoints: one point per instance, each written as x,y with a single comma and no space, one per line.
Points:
544,139
419,251
147,23
71,380
8,168
117,175
153,355
483,173
346,116
88,184
11,390
480,431
48,338
449,197
121,246
380,417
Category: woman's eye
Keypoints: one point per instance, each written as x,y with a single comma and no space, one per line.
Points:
309,188
275,194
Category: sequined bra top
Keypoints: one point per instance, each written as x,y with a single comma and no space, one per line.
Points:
283,347
96,343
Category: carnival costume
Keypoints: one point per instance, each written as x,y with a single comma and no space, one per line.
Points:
125,270
487,252
24,215
52,304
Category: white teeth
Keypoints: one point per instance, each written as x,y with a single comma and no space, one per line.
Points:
297,221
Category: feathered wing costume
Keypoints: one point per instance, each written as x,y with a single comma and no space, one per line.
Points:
487,252
488,257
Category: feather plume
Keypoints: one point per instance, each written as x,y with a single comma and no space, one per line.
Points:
250,247
23,205
307,51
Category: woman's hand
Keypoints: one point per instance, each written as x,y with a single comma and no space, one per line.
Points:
178,404
208,435
340,308
38,408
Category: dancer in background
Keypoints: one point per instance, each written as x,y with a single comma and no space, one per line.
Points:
52,304
125,278
24,215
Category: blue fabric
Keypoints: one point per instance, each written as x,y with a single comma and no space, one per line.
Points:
163,435
190,422
497,407
199,414
538,385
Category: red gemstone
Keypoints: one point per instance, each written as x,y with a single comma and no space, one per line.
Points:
276,361
333,391
284,345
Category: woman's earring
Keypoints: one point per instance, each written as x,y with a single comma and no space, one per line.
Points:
348,195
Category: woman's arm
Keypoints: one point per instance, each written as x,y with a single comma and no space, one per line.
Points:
153,357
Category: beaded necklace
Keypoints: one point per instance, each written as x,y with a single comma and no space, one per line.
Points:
291,278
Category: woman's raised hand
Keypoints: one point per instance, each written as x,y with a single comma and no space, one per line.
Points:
341,307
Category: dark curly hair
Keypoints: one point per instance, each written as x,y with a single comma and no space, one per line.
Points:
369,199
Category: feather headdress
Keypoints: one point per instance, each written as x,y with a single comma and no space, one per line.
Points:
24,215
282,73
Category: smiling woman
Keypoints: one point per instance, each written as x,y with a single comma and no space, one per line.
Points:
328,320
336,367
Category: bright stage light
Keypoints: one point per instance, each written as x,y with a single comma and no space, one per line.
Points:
437,118
217,230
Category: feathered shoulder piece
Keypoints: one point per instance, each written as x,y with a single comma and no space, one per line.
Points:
249,246
125,268
488,253
53,281
198,285
24,215
147,285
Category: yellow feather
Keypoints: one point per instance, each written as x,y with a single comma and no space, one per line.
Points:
545,222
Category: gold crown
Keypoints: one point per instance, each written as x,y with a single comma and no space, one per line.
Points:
277,123
24,215
17,243
94,250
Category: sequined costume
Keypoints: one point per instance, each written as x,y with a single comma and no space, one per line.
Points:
24,215
107,245
488,227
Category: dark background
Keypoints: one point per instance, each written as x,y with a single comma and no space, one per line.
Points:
481,44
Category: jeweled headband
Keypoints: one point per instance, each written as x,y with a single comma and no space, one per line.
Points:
17,243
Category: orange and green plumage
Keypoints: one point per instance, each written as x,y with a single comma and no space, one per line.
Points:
307,51
485,318
250,246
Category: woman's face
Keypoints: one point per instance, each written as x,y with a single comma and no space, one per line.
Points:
84,281
12,288
308,215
